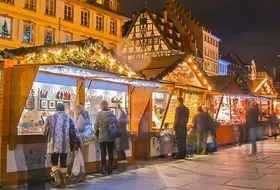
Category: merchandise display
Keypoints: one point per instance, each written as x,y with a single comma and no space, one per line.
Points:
94,98
193,100
160,100
276,108
41,103
232,110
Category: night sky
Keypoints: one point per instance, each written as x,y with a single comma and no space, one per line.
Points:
250,28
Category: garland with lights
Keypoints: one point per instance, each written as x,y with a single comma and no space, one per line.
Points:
89,54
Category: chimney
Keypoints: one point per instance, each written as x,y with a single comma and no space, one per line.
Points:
274,72
165,16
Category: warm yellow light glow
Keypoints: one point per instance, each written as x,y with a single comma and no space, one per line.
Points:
205,81
129,74
58,52
44,55
199,74
264,81
209,88
102,56
190,60
112,61
195,67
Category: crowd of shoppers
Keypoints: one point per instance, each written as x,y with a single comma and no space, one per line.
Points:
63,134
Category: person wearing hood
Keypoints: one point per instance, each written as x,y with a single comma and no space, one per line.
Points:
104,119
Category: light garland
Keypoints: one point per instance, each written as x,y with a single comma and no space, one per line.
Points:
77,72
90,56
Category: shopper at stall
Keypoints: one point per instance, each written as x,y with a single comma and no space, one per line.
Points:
58,128
180,125
122,143
82,117
252,124
201,127
105,119
166,141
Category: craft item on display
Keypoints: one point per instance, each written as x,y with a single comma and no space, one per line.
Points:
117,99
43,93
30,104
52,104
43,104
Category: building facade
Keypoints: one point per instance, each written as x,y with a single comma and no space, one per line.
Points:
223,67
38,22
172,32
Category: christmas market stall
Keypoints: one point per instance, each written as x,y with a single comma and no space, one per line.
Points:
230,105
36,79
182,78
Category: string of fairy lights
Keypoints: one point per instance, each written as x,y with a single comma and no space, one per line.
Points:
91,56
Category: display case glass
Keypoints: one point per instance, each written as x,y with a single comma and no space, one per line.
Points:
160,100
41,103
94,97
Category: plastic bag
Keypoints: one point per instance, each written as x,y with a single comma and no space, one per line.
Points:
88,136
78,164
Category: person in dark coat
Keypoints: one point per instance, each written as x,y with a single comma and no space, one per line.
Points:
274,125
201,127
104,119
180,125
252,124
122,143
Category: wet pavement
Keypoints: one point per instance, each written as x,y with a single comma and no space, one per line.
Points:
228,169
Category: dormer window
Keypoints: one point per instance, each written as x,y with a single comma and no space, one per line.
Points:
113,5
101,2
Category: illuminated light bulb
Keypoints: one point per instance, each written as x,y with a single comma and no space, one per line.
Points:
129,74
209,88
199,74
205,81
112,61
121,69
102,56
44,55
58,52
195,67
190,60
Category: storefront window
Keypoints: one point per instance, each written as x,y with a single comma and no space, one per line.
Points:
96,92
160,100
276,108
42,102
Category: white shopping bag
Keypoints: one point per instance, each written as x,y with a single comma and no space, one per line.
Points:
78,164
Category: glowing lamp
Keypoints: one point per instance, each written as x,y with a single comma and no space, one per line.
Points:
102,56
195,67
44,55
190,60
199,74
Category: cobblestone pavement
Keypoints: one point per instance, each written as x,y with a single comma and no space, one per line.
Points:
228,169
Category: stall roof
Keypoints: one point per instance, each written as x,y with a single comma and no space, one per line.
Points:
87,54
231,84
262,86
177,68
86,58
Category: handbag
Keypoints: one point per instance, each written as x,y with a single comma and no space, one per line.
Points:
88,136
114,131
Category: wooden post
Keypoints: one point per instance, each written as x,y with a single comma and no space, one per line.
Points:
80,91
220,104
167,106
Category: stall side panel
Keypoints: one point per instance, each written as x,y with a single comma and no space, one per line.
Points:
22,81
